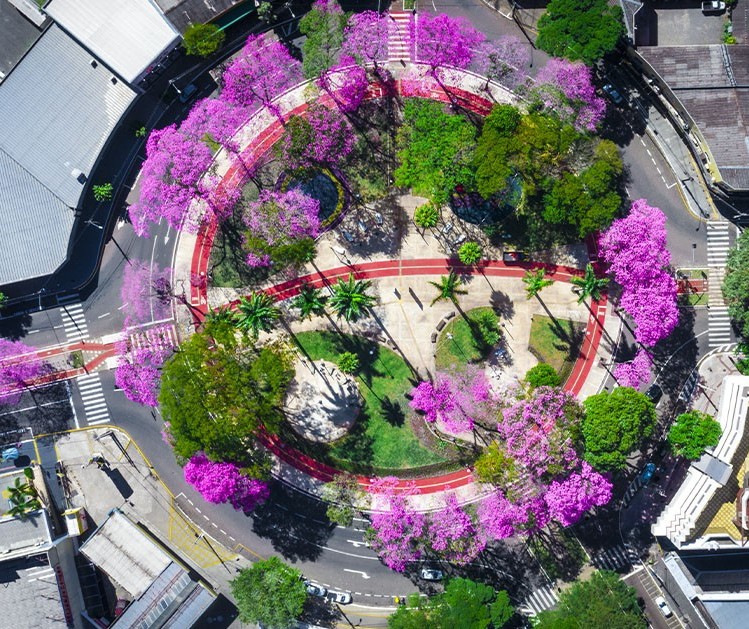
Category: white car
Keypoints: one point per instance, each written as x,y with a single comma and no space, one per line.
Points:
342,598
663,606
430,574
315,590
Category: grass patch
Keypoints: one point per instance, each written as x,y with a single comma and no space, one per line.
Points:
464,346
693,299
382,437
556,342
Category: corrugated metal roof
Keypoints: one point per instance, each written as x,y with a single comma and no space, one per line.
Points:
57,111
35,225
128,35
126,554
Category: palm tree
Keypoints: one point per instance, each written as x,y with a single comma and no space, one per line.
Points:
448,288
256,314
535,282
220,315
350,299
310,301
589,285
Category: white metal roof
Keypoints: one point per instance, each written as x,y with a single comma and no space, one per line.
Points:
126,554
127,35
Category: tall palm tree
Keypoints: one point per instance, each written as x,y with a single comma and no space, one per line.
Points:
220,315
589,285
448,288
535,282
310,301
350,299
256,314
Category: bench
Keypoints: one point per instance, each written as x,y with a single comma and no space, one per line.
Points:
434,337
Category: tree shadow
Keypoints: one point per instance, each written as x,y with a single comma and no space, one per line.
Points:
15,327
392,411
502,304
296,525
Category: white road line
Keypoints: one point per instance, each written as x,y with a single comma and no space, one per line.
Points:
106,314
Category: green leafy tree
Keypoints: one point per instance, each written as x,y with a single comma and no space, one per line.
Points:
448,288
470,253
310,301
350,299
692,433
589,285
542,375
602,601
614,425
495,466
256,313
494,149
22,497
343,495
203,39
265,11
435,150
736,284
580,30
3,300
103,192
486,329
323,26
270,592
348,362
464,604
535,282
426,216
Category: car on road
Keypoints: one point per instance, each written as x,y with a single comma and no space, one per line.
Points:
510,257
315,590
613,93
713,6
663,606
342,598
654,393
430,574
647,473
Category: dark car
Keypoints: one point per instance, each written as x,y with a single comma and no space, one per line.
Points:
654,393
613,93
513,257
647,473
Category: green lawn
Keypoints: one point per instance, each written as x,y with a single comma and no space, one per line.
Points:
557,344
463,347
382,437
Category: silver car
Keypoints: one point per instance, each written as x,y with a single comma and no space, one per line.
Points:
315,590
430,574
342,598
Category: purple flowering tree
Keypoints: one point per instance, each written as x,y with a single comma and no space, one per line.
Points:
457,400
19,365
366,39
498,517
261,72
214,120
570,498
346,83
453,534
277,219
636,372
503,60
443,41
223,482
566,88
636,250
145,292
139,360
323,137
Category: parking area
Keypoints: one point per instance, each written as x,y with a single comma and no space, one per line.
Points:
648,590
684,24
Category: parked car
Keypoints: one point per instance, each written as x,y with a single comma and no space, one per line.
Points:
647,473
430,574
342,598
315,590
713,6
663,606
613,94
510,257
654,393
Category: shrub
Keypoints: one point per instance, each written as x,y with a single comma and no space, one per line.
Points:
348,362
542,375
103,192
487,329
203,39
426,216
470,253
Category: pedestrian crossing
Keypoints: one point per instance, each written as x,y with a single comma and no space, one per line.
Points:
94,404
162,337
718,246
615,558
539,600
74,322
399,36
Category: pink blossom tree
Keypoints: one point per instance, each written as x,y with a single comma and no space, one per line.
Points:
570,498
145,292
453,534
457,400
346,83
366,38
503,60
498,517
172,178
19,365
636,372
262,71
443,41
635,249
278,219
214,120
566,88
223,482
139,360
323,137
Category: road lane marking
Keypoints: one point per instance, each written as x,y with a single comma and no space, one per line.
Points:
363,574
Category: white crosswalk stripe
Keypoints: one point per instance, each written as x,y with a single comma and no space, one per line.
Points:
718,245
161,337
94,404
614,558
539,600
74,322
399,36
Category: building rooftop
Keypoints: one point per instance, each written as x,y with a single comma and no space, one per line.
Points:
58,110
21,537
182,13
17,34
29,594
127,35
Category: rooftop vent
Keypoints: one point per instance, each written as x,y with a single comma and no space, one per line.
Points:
93,63
113,80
